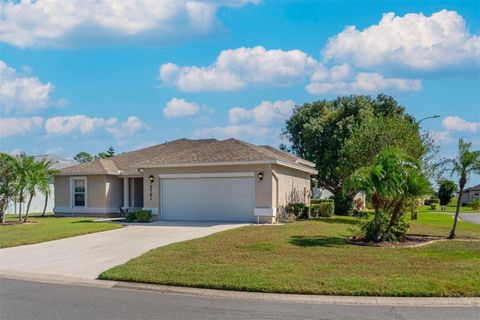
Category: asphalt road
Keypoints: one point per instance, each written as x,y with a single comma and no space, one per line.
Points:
34,300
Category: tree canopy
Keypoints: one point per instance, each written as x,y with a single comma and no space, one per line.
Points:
346,133
446,190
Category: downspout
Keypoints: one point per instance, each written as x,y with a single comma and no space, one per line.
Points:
274,175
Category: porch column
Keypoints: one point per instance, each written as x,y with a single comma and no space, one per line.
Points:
125,193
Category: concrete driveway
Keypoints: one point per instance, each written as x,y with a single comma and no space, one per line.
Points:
472,217
88,255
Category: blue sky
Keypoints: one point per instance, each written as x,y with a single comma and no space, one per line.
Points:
83,77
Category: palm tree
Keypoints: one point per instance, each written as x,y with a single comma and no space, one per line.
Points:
8,183
44,183
391,181
23,166
34,178
465,164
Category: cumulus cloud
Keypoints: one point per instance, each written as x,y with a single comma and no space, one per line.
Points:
128,128
456,123
236,131
180,108
265,113
442,136
60,23
364,82
19,126
414,41
238,68
20,93
235,69
82,124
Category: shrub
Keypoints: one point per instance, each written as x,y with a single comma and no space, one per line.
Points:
318,201
445,191
343,204
397,233
324,209
130,216
299,210
143,215
430,201
475,204
433,206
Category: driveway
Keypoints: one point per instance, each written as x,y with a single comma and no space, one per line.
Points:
88,255
472,217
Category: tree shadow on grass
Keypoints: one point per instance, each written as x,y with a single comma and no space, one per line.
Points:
337,220
83,221
317,241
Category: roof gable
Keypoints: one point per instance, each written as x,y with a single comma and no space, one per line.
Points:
184,152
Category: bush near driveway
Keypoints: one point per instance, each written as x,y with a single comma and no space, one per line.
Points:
313,257
324,209
299,210
46,229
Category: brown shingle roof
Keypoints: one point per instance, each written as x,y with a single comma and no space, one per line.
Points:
182,152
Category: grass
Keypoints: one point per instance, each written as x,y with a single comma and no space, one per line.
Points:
48,228
449,208
313,257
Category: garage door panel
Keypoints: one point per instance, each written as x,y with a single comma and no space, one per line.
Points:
208,199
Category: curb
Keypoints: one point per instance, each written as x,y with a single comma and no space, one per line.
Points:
273,297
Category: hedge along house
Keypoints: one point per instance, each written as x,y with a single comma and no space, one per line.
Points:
193,180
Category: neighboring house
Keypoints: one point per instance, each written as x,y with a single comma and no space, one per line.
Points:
471,194
38,202
197,180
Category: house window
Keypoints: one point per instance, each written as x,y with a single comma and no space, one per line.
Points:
79,188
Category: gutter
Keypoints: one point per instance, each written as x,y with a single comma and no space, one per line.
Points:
210,164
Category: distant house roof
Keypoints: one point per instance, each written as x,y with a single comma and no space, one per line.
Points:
184,152
474,188
58,162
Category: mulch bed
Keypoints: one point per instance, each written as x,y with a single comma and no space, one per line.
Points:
410,241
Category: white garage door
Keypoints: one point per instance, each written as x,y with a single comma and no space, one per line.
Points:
208,199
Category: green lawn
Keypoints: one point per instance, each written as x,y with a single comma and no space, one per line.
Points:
312,257
449,208
48,228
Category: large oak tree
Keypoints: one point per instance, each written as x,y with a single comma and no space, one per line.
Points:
346,133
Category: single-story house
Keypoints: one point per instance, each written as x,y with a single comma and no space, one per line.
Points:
195,180
38,201
471,194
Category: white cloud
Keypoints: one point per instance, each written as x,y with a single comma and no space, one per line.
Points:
238,68
180,108
132,126
335,73
20,93
82,124
442,136
415,41
235,69
19,126
265,113
364,82
60,23
236,131
458,124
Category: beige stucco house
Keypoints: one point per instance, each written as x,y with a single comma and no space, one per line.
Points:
471,194
195,180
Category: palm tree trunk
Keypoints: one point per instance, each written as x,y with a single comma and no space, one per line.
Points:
20,201
45,206
28,208
3,206
457,211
